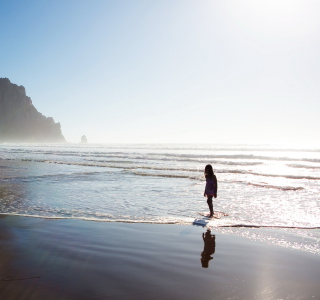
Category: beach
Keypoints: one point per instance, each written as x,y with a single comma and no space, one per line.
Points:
162,150
78,259
81,222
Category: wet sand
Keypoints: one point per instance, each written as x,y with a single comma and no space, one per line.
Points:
76,259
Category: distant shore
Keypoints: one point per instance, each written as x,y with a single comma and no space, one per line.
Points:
75,259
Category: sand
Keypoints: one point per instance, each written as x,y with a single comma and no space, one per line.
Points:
76,259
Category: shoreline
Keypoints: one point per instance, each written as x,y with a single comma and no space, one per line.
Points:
78,259
291,237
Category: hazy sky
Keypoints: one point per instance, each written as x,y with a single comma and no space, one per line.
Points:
177,71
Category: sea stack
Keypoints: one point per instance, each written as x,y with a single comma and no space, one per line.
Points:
84,139
19,119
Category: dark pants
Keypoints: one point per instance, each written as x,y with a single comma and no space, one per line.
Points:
209,201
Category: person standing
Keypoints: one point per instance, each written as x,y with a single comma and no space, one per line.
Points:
211,188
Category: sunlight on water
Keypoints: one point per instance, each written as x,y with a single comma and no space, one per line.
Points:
258,185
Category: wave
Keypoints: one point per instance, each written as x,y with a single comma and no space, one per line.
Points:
304,166
269,175
131,159
283,188
117,164
223,171
199,157
182,221
240,224
171,156
37,177
269,186
270,226
215,162
170,147
168,175
167,169
217,223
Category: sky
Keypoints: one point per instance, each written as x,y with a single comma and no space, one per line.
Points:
168,71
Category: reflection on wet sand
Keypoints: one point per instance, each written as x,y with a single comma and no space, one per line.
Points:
12,191
19,281
209,248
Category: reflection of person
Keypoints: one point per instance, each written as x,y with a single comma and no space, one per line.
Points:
211,187
209,248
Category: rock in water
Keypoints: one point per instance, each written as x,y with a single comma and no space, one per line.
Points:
84,139
19,119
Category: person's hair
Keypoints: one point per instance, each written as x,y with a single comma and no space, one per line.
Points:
208,171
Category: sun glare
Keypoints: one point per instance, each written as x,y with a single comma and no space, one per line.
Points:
276,8
274,18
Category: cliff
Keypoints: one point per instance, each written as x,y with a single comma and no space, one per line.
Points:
19,119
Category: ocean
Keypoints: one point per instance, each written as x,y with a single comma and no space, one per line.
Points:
273,188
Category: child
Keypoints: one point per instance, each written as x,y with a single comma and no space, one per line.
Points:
211,187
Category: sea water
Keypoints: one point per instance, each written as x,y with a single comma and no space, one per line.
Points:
258,186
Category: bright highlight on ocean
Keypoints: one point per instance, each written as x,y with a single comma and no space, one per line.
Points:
258,186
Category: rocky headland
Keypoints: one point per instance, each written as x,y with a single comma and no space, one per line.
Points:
19,119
